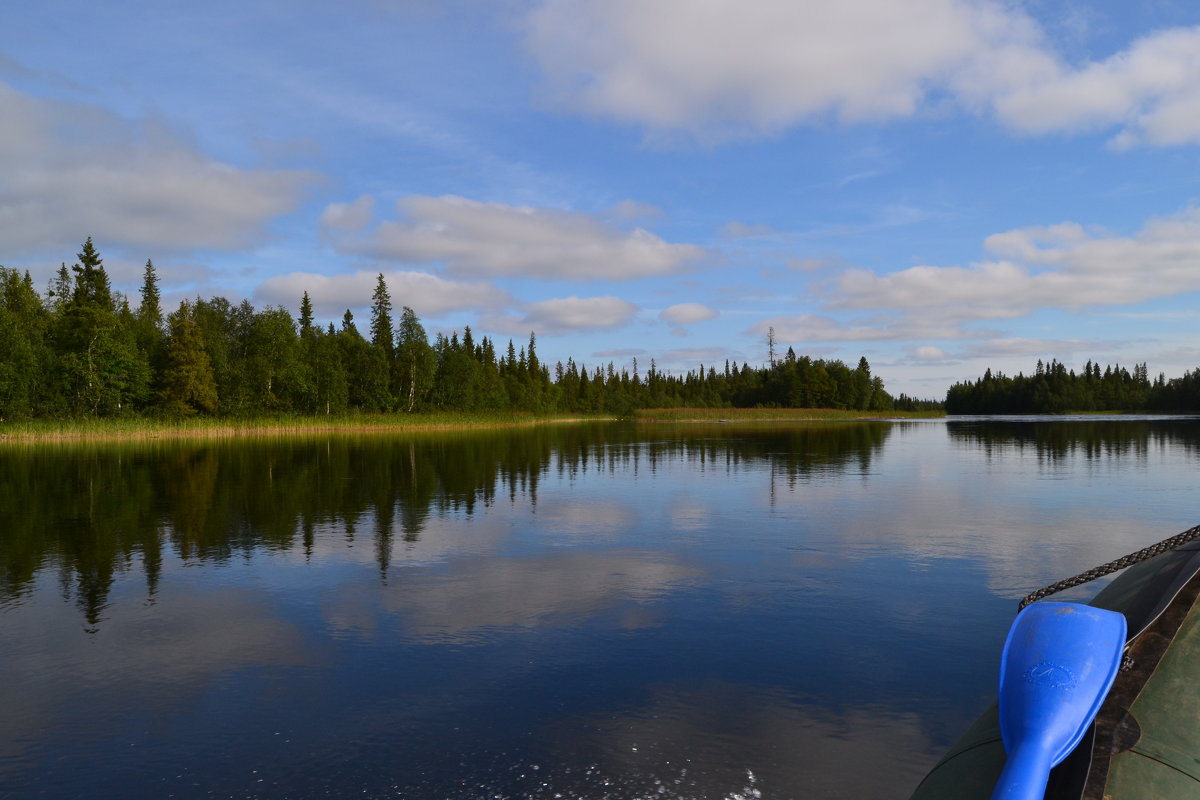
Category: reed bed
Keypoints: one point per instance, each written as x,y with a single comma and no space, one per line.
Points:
133,429
224,428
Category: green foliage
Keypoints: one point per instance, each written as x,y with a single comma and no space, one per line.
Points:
189,385
1053,389
416,363
91,281
24,352
82,353
150,311
381,317
306,315
270,371
366,368
329,379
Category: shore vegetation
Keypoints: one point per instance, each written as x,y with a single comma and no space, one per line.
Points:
1054,389
82,359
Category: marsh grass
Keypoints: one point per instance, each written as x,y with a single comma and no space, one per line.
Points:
133,429
223,428
772,415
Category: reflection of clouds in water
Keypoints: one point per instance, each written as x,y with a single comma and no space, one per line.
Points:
687,512
726,740
165,655
440,538
1004,514
485,594
585,516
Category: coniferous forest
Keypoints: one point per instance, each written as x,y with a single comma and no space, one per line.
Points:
1053,389
82,350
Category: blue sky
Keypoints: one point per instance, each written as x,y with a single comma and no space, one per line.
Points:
939,185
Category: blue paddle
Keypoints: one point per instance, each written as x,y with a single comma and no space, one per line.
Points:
1060,660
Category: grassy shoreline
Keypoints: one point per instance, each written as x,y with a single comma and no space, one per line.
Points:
727,415
210,428
220,428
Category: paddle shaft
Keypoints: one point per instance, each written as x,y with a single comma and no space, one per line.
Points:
1025,774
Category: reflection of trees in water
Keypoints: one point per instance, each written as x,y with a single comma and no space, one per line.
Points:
94,511
794,451
1093,440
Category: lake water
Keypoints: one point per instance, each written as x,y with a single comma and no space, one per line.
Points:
594,611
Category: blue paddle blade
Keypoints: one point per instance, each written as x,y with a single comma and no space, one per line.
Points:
1059,661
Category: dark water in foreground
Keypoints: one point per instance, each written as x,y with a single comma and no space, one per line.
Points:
579,612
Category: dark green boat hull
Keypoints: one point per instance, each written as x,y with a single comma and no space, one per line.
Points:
1146,740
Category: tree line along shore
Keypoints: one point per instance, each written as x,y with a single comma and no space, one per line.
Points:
81,360
82,352
1054,389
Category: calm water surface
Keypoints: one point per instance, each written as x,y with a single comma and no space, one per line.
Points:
591,612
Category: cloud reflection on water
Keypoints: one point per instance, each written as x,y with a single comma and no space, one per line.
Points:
481,597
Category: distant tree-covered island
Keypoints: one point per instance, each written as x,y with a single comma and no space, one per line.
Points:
83,351
1053,389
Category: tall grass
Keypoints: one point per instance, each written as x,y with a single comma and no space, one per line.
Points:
218,428
228,428
770,414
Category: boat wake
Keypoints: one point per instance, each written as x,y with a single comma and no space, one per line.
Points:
591,783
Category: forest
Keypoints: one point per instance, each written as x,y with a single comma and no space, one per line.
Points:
1053,389
82,351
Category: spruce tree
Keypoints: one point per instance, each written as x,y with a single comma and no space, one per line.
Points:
306,315
60,288
188,383
91,281
150,311
381,317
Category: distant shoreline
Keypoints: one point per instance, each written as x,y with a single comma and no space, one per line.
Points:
117,430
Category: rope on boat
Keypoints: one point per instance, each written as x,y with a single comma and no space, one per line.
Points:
1121,563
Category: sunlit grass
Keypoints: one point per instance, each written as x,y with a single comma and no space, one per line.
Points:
226,428
771,414
218,428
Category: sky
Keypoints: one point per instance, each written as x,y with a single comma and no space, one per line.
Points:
941,186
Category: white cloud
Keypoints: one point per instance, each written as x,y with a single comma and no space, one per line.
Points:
816,328
929,353
349,217
425,293
498,240
722,69
706,355
726,68
71,170
581,312
1062,266
1152,89
565,314
1186,356
687,313
1019,346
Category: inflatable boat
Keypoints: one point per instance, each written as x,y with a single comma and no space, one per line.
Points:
1144,740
